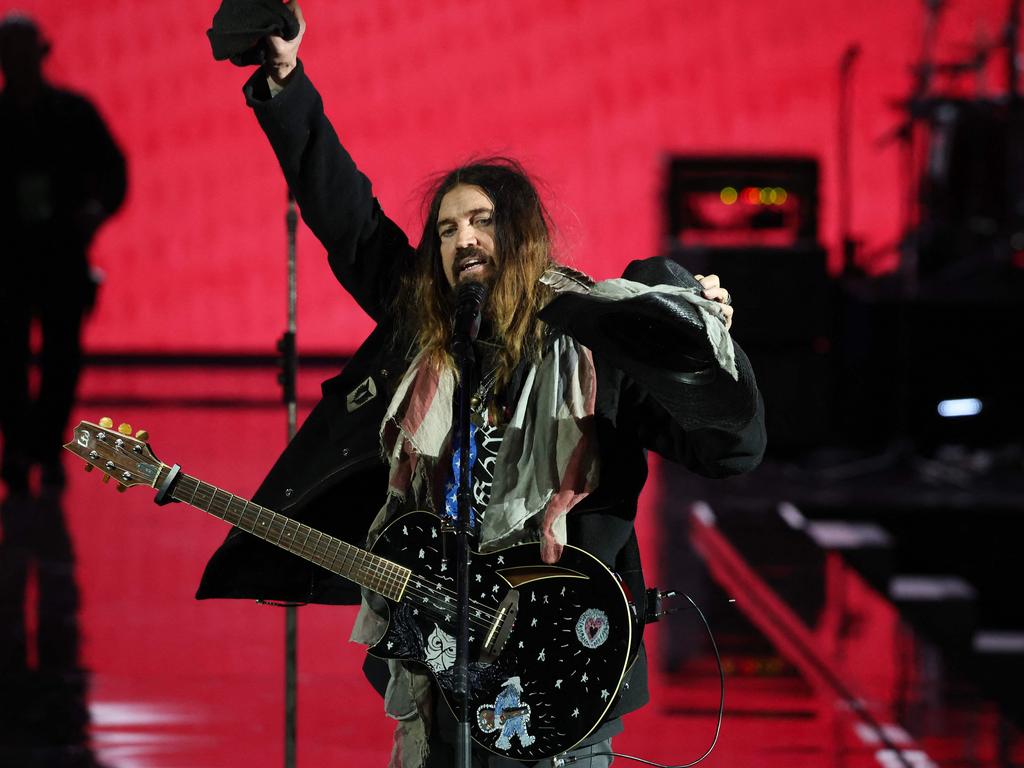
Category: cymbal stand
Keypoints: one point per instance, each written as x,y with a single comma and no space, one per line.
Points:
848,244
1011,40
924,71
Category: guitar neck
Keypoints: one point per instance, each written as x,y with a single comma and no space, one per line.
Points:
337,556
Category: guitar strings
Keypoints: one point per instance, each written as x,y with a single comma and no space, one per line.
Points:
446,593
438,609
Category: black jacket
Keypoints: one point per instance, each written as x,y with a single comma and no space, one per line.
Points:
332,477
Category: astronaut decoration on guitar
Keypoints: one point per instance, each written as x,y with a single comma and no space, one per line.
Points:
509,714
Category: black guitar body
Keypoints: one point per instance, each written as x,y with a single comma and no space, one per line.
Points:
549,644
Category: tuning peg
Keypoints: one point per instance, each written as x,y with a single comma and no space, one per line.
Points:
121,487
89,467
106,422
125,429
142,435
106,478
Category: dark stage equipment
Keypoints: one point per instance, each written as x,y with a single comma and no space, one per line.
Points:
742,201
963,159
930,352
933,368
971,186
753,220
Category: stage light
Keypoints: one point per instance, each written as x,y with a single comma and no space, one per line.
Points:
780,196
965,406
729,195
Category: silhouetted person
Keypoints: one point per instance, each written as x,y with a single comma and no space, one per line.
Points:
43,689
61,177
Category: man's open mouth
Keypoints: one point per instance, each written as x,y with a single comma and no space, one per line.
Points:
473,260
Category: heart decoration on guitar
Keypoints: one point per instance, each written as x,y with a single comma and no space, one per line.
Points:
549,644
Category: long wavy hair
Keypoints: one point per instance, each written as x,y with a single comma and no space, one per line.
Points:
523,245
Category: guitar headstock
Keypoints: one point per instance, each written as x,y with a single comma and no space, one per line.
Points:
127,459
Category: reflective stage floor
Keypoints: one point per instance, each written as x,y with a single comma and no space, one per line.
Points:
109,661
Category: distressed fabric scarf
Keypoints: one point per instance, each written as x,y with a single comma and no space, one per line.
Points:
546,464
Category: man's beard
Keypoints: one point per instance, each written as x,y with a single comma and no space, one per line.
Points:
488,279
475,251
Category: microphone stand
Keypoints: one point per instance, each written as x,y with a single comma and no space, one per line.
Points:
462,347
287,379
848,244
1011,36
1014,188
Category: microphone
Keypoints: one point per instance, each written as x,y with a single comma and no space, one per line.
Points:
469,299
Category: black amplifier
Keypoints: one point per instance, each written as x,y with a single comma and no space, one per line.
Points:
741,201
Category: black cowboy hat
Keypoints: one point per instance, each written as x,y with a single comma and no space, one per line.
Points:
239,25
660,340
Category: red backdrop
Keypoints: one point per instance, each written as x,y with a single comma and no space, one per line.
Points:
590,95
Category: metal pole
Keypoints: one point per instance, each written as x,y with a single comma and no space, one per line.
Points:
468,303
847,243
287,377
463,741
1012,63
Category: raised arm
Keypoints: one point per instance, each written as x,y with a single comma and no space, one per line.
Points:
366,250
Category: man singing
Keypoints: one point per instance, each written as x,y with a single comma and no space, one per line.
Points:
575,382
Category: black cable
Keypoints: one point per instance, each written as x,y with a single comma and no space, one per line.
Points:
570,759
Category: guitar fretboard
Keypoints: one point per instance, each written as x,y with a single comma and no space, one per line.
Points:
338,556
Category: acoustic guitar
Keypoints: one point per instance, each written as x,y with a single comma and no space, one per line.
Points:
549,645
